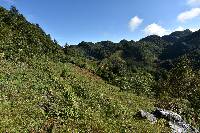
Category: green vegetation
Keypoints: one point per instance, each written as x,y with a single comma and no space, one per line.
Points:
45,96
21,40
162,68
93,87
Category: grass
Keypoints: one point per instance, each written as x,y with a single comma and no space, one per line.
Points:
44,96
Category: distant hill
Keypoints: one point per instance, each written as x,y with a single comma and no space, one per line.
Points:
151,49
160,41
184,45
173,37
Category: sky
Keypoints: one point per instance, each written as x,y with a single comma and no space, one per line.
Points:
73,21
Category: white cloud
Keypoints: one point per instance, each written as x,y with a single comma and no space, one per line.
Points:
194,29
135,22
155,29
187,15
180,28
194,2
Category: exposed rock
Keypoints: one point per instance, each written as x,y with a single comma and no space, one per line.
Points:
176,123
150,117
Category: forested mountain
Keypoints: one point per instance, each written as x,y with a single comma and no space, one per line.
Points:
94,87
173,37
184,45
20,39
166,68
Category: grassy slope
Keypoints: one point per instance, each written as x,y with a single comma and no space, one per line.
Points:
46,96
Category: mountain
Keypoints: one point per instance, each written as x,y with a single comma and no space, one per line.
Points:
173,37
160,41
94,87
20,39
165,68
42,92
184,45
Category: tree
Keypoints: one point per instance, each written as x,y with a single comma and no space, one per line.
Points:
55,41
182,82
14,10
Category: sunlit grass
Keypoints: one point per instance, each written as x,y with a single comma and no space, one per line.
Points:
38,97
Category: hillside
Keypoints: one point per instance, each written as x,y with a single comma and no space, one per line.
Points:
39,93
93,87
22,40
57,97
162,69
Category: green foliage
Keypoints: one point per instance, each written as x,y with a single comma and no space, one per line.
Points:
139,83
165,68
44,96
181,80
21,40
114,65
182,83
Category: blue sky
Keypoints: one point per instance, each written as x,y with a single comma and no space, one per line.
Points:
73,21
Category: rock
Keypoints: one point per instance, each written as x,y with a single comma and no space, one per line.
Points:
169,115
176,123
148,116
